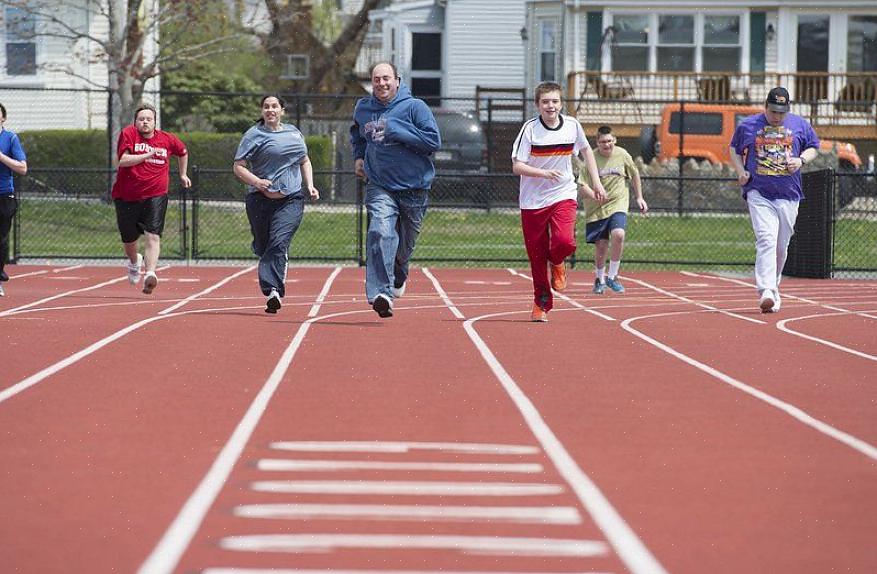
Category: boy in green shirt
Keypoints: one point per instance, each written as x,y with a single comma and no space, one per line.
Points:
605,220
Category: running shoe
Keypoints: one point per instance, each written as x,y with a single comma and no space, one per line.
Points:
397,292
538,314
150,282
558,276
598,287
613,284
273,304
4,276
2,292
134,270
383,306
776,301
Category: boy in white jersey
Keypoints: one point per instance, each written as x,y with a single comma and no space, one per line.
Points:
542,156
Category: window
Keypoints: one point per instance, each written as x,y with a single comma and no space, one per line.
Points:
630,46
426,66
721,44
547,51
677,42
862,44
697,123
297,67
21,50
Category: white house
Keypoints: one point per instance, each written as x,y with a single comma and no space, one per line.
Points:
44,78
447,48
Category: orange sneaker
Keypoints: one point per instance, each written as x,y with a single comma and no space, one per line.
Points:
538,314
558,277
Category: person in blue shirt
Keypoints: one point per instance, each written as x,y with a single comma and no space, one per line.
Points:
393,136
12,159
767,152
272,159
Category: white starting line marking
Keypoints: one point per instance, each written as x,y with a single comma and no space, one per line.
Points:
317,465
482,545
305,571
504,283
514,514
401,447
414,488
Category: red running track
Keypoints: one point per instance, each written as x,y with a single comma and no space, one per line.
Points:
669,429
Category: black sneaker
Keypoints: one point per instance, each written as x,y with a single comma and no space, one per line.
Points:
4,276
272,305
383,306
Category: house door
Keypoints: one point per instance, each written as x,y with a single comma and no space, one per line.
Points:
426,66
812,58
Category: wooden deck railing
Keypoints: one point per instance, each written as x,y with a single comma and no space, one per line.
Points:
833,100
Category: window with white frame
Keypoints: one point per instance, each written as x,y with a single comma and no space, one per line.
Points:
676,42
547,51
21,49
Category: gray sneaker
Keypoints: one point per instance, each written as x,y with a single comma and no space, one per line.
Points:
598,287
134,270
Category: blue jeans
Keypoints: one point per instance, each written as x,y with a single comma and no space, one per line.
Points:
273,222
395,219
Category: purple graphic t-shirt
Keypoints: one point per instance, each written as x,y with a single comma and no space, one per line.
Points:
767,149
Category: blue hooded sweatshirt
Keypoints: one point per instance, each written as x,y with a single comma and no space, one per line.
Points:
396,140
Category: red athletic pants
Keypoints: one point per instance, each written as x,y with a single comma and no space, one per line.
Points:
550,236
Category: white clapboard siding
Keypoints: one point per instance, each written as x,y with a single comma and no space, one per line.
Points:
483,45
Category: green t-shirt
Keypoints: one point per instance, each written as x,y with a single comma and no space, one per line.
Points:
615,172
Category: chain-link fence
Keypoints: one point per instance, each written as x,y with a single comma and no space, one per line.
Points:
695,222
697,218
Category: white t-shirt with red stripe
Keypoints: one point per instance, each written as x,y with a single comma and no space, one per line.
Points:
539,146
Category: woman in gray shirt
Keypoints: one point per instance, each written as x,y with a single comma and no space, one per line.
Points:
272,159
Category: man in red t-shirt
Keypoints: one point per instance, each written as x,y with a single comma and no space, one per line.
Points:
140,191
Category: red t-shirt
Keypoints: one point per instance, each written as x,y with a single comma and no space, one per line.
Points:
148,178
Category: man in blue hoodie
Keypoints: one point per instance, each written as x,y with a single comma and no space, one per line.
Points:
393,136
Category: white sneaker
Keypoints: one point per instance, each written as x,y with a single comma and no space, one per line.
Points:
397,292
2,292
383,306
767,301
134,270
149,282
776,302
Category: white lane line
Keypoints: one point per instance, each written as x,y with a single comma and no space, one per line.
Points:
630,549
321,298
40,376
787,294
444,296
165,556
572,302
306,571
508,514
60,295
693,302
67,293
210,289
407,488
781,325
853,442
477,545
44,271
320,465
402,447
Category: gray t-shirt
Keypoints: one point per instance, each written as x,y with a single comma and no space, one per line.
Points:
274,156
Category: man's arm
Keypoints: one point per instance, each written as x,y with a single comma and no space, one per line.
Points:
129,159
796,163
422,135
521,168
18,166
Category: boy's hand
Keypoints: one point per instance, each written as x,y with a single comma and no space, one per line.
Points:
552,174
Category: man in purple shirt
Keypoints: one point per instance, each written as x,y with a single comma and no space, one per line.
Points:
767,152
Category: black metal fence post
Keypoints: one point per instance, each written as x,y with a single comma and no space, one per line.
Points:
680,199
196,183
